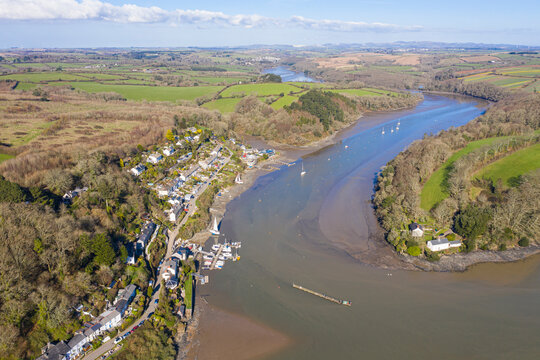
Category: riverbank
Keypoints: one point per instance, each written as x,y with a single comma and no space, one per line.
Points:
463,261
233,337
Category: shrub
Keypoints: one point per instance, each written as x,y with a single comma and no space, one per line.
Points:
524,242
414,251
432,256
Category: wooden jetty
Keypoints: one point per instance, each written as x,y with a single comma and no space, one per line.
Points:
326,297
216,258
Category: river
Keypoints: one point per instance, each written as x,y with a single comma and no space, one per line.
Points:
319,231
288,75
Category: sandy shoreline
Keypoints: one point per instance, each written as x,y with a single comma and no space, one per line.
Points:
230,336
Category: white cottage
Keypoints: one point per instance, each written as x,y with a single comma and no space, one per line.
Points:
417,230
155,158
442,244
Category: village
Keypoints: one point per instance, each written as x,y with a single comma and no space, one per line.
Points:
187,167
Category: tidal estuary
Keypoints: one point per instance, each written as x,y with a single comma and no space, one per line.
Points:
319,231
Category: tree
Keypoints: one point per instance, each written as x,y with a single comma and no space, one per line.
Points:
58,180
10,192
169,135
100,246
472,222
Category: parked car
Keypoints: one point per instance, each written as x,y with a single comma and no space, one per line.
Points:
156,301
117,340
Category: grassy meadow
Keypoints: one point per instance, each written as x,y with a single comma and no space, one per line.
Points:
512,166
434,190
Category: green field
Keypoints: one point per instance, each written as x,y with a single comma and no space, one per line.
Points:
25,86
513,165
260,89
358,92
150,93
4,157
434,190
223,105
42,77
282,101
217,80
188,287
100,76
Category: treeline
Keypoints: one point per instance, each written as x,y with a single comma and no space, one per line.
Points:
315,115
490,220
479,89
59,255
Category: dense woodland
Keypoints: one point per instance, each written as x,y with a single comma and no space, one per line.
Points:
58,256
315,115
497,218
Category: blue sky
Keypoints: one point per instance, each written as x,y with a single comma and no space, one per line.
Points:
96,23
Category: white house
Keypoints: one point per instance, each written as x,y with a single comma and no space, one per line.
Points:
175,213
154,158
170,275
442,244
110,319
138,170
92,332
77,344
70,195
417,230
168,151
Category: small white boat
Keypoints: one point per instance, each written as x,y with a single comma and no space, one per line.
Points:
303,172
238,179
391,130
382,132
398,123
227,249
227,255
222,257
214,230
208,257
216,247
397,128
207,262
346,146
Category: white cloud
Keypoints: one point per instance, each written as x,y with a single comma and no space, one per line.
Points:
129,13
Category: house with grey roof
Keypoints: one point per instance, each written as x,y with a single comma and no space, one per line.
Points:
417,230
442,244
126,294
145,236
110,319
58,351
77,344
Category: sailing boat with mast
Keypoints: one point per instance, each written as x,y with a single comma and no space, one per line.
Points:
303,172
238,179
215,230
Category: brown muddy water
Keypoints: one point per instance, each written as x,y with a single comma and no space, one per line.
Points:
319,231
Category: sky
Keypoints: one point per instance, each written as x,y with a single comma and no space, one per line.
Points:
213,23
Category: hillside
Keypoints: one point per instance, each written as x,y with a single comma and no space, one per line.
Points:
461,182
